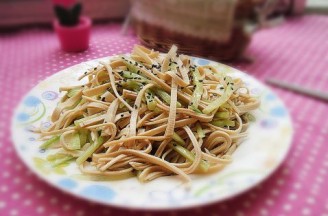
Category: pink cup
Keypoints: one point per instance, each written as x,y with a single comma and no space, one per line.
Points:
74,38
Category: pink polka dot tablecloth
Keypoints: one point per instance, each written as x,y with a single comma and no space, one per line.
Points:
296,51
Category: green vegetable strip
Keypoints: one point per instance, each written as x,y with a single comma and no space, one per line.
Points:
83,137
200,131
79,121
222,123
57,156
249,117
134,67
60,161
50,142
190,156
131,64
151,103
73,92
132,85
226,106
130,75
74,141
222,115
221,100
90,151
197,94
178,139
165,97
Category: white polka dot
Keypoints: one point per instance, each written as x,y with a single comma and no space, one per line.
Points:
247,204
9,150
263,212
80,213
280,182
53,200
28,173
269,202
17,180
323,171
310,200
239,213
252,195
297,185
306,211
8,161
319,179
40,209
2,204
27,202
40,193
275,192
15,196
325,163
285,171
173,213
5,174
13,212
18,167
292,196
287,207
66,207
223,206
3,188
28,187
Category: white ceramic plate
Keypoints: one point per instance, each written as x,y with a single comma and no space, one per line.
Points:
254,160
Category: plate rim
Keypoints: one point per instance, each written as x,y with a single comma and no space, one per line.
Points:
201,203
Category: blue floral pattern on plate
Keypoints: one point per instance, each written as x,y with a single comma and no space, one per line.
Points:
272,119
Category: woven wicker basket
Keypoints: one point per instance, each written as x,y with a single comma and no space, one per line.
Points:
161,39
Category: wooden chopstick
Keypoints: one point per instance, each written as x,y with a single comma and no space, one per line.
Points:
299,89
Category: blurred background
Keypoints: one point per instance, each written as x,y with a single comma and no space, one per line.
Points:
276,41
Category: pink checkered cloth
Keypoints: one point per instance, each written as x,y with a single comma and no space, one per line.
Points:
296,52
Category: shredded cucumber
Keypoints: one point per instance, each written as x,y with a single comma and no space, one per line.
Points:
50,142
222,115
73,141
79,121
151,103
83,137
62,161
165,97
249,117
132,85
58,159
224,122
73,92
200,131
203,166
197,94
178,139
86,154
221,100
134,76
131,65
